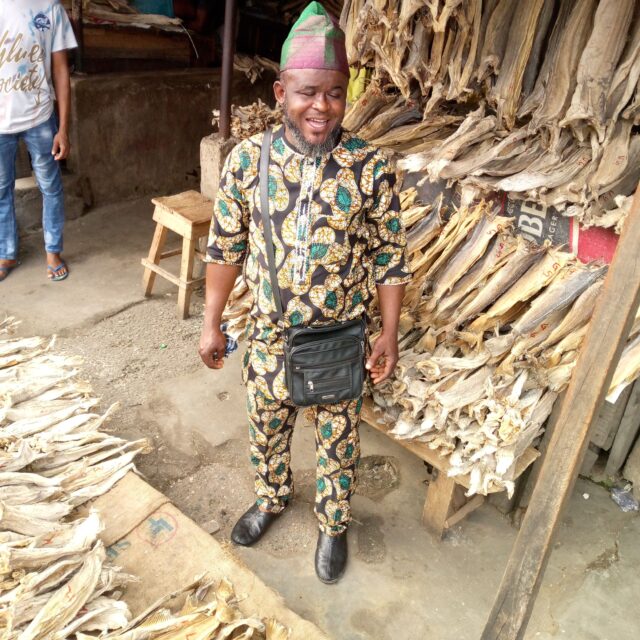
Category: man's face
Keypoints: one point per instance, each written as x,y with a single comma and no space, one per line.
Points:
314,101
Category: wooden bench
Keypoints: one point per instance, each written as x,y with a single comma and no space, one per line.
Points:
445,504
189,215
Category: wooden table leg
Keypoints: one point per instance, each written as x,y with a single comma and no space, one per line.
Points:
186,275
439,504
159,236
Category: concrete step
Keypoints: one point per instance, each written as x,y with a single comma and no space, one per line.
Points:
28,200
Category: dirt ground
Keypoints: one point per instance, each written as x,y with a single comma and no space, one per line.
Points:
401,583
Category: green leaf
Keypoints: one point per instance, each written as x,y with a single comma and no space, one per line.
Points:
295,318
331,300
393,225
353,144
224,209
319,251
343,199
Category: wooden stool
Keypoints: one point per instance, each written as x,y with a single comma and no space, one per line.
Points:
189,215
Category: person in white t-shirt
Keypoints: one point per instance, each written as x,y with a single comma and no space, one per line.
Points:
34,38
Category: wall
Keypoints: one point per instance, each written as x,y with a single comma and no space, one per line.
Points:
139,133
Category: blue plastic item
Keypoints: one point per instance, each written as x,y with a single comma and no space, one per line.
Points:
160,7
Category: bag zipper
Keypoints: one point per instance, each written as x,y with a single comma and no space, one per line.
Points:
351,339
313,367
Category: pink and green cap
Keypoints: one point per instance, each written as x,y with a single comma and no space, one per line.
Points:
315,42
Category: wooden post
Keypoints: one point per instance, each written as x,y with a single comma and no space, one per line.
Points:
228,51
76,19
601,349
627,432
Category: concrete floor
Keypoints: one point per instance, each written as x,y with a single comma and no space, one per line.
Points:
401,583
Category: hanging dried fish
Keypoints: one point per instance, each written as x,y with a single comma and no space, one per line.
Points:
597,66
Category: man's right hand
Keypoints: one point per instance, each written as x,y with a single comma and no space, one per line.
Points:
212,347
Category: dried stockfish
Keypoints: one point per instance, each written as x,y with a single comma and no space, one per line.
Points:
523,258
534,64
533,100
33,519
368,105
597,66
495,39
626,75
467,287
561,293
615,158
424,231
536,278
65,602
627,370
506,92
469,253
465,391
578,316
562,72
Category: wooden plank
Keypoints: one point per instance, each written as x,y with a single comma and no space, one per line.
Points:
169,276
433,457
121,42
155,254
600,353
590,458
186,272
609,417
473,504
171,253
627,432
439,504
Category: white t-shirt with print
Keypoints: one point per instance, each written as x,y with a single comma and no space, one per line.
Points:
30,32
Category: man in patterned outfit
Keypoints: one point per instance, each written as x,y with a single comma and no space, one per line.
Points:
338,240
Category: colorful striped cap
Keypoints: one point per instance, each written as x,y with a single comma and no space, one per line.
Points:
315,42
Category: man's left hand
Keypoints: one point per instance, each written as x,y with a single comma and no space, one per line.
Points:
383,358
61,146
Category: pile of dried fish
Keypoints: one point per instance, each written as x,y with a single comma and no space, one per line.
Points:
55,582
250,119
254,66
489,335
53,457
207,612
537,98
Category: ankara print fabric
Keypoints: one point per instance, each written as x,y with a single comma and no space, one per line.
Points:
337,231
272,418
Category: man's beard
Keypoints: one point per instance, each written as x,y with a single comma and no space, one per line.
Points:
301,143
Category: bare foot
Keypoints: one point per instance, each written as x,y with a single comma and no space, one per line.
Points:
56,267
5,268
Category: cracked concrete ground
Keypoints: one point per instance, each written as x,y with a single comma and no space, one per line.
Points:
401,583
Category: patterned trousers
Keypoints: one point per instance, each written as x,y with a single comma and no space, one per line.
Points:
271,421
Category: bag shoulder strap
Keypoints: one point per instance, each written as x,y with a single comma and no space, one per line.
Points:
266,219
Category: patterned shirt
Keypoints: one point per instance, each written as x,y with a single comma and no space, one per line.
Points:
336,227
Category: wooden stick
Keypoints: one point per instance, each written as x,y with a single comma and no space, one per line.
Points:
600,353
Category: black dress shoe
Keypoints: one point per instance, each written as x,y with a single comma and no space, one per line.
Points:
331,557
252,526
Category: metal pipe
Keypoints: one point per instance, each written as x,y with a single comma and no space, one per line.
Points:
228,51
76,19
